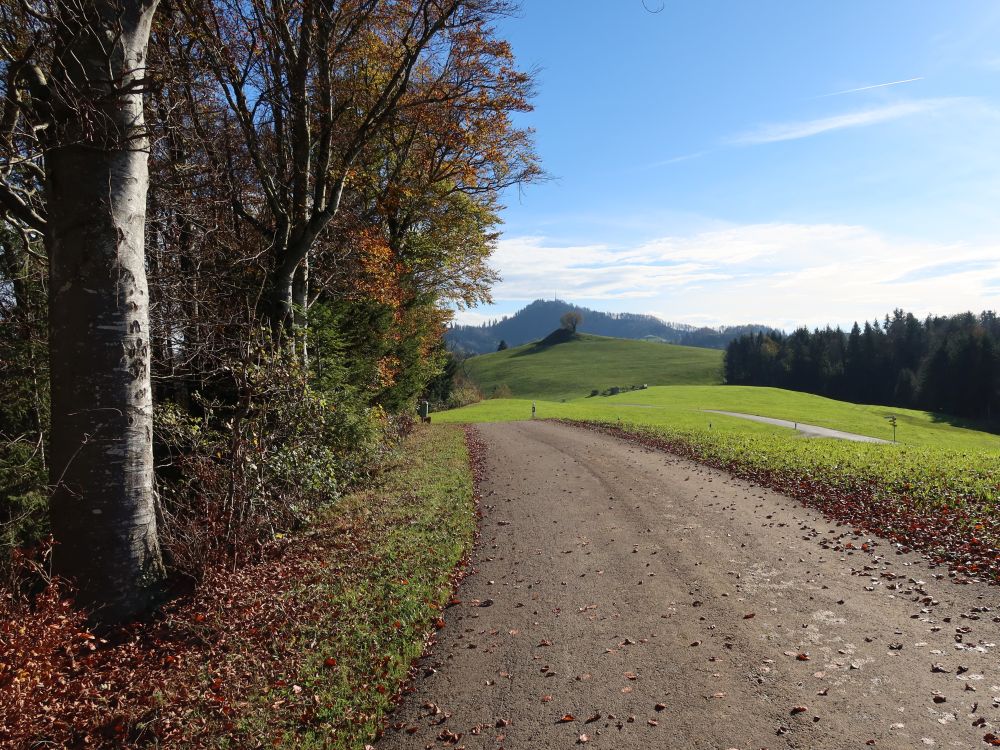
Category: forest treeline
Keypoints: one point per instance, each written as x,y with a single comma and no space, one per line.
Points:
231,234
947,364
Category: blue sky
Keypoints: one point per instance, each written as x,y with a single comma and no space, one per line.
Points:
729,162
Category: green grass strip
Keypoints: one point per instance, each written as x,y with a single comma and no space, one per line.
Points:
394,553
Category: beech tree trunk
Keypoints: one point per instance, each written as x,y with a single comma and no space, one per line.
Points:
103,507
300,294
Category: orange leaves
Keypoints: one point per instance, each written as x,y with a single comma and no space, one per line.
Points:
379,273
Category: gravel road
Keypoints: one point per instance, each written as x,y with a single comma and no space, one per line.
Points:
655,603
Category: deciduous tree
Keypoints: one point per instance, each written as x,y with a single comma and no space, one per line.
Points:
89,106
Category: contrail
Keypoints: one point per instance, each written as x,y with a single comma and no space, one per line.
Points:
869,88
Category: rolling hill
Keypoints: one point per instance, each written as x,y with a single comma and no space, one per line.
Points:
568,366
541,316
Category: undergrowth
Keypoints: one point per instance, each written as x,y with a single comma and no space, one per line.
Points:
307,647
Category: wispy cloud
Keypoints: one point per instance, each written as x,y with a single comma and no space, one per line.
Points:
870,88
790,131
779,274
676,160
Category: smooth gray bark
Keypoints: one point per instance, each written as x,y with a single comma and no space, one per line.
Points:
103,504
300,292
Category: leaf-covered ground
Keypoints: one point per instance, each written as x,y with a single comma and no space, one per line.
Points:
945,504
307,648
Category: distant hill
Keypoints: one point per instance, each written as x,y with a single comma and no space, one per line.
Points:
541,316
565,365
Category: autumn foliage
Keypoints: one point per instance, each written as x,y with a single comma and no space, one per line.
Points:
325,187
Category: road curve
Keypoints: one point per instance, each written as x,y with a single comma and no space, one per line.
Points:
656,603
807,429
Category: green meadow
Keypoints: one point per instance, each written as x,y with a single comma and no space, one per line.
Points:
572,369
682,407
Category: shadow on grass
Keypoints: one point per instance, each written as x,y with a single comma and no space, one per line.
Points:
559,336
992,426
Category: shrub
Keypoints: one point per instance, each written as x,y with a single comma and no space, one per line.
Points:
502,391
463,393
243,474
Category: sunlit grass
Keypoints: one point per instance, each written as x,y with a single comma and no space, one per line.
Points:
683,408
573,369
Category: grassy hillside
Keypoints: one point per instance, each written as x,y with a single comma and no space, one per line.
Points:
682,408
572,369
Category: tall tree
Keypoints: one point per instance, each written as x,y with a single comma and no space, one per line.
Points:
570,320
103,509
311,84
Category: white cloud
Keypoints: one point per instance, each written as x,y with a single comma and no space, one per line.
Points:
790,131
470,318
778,274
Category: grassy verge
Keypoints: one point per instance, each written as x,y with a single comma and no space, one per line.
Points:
306,649
404,543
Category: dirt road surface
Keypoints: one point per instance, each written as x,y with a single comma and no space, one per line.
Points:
655,603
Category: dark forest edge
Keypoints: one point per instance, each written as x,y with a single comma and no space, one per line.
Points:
948,364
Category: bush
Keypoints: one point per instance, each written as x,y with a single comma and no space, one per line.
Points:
502,391
463,393
244,474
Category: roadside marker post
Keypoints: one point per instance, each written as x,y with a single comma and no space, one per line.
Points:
532,409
